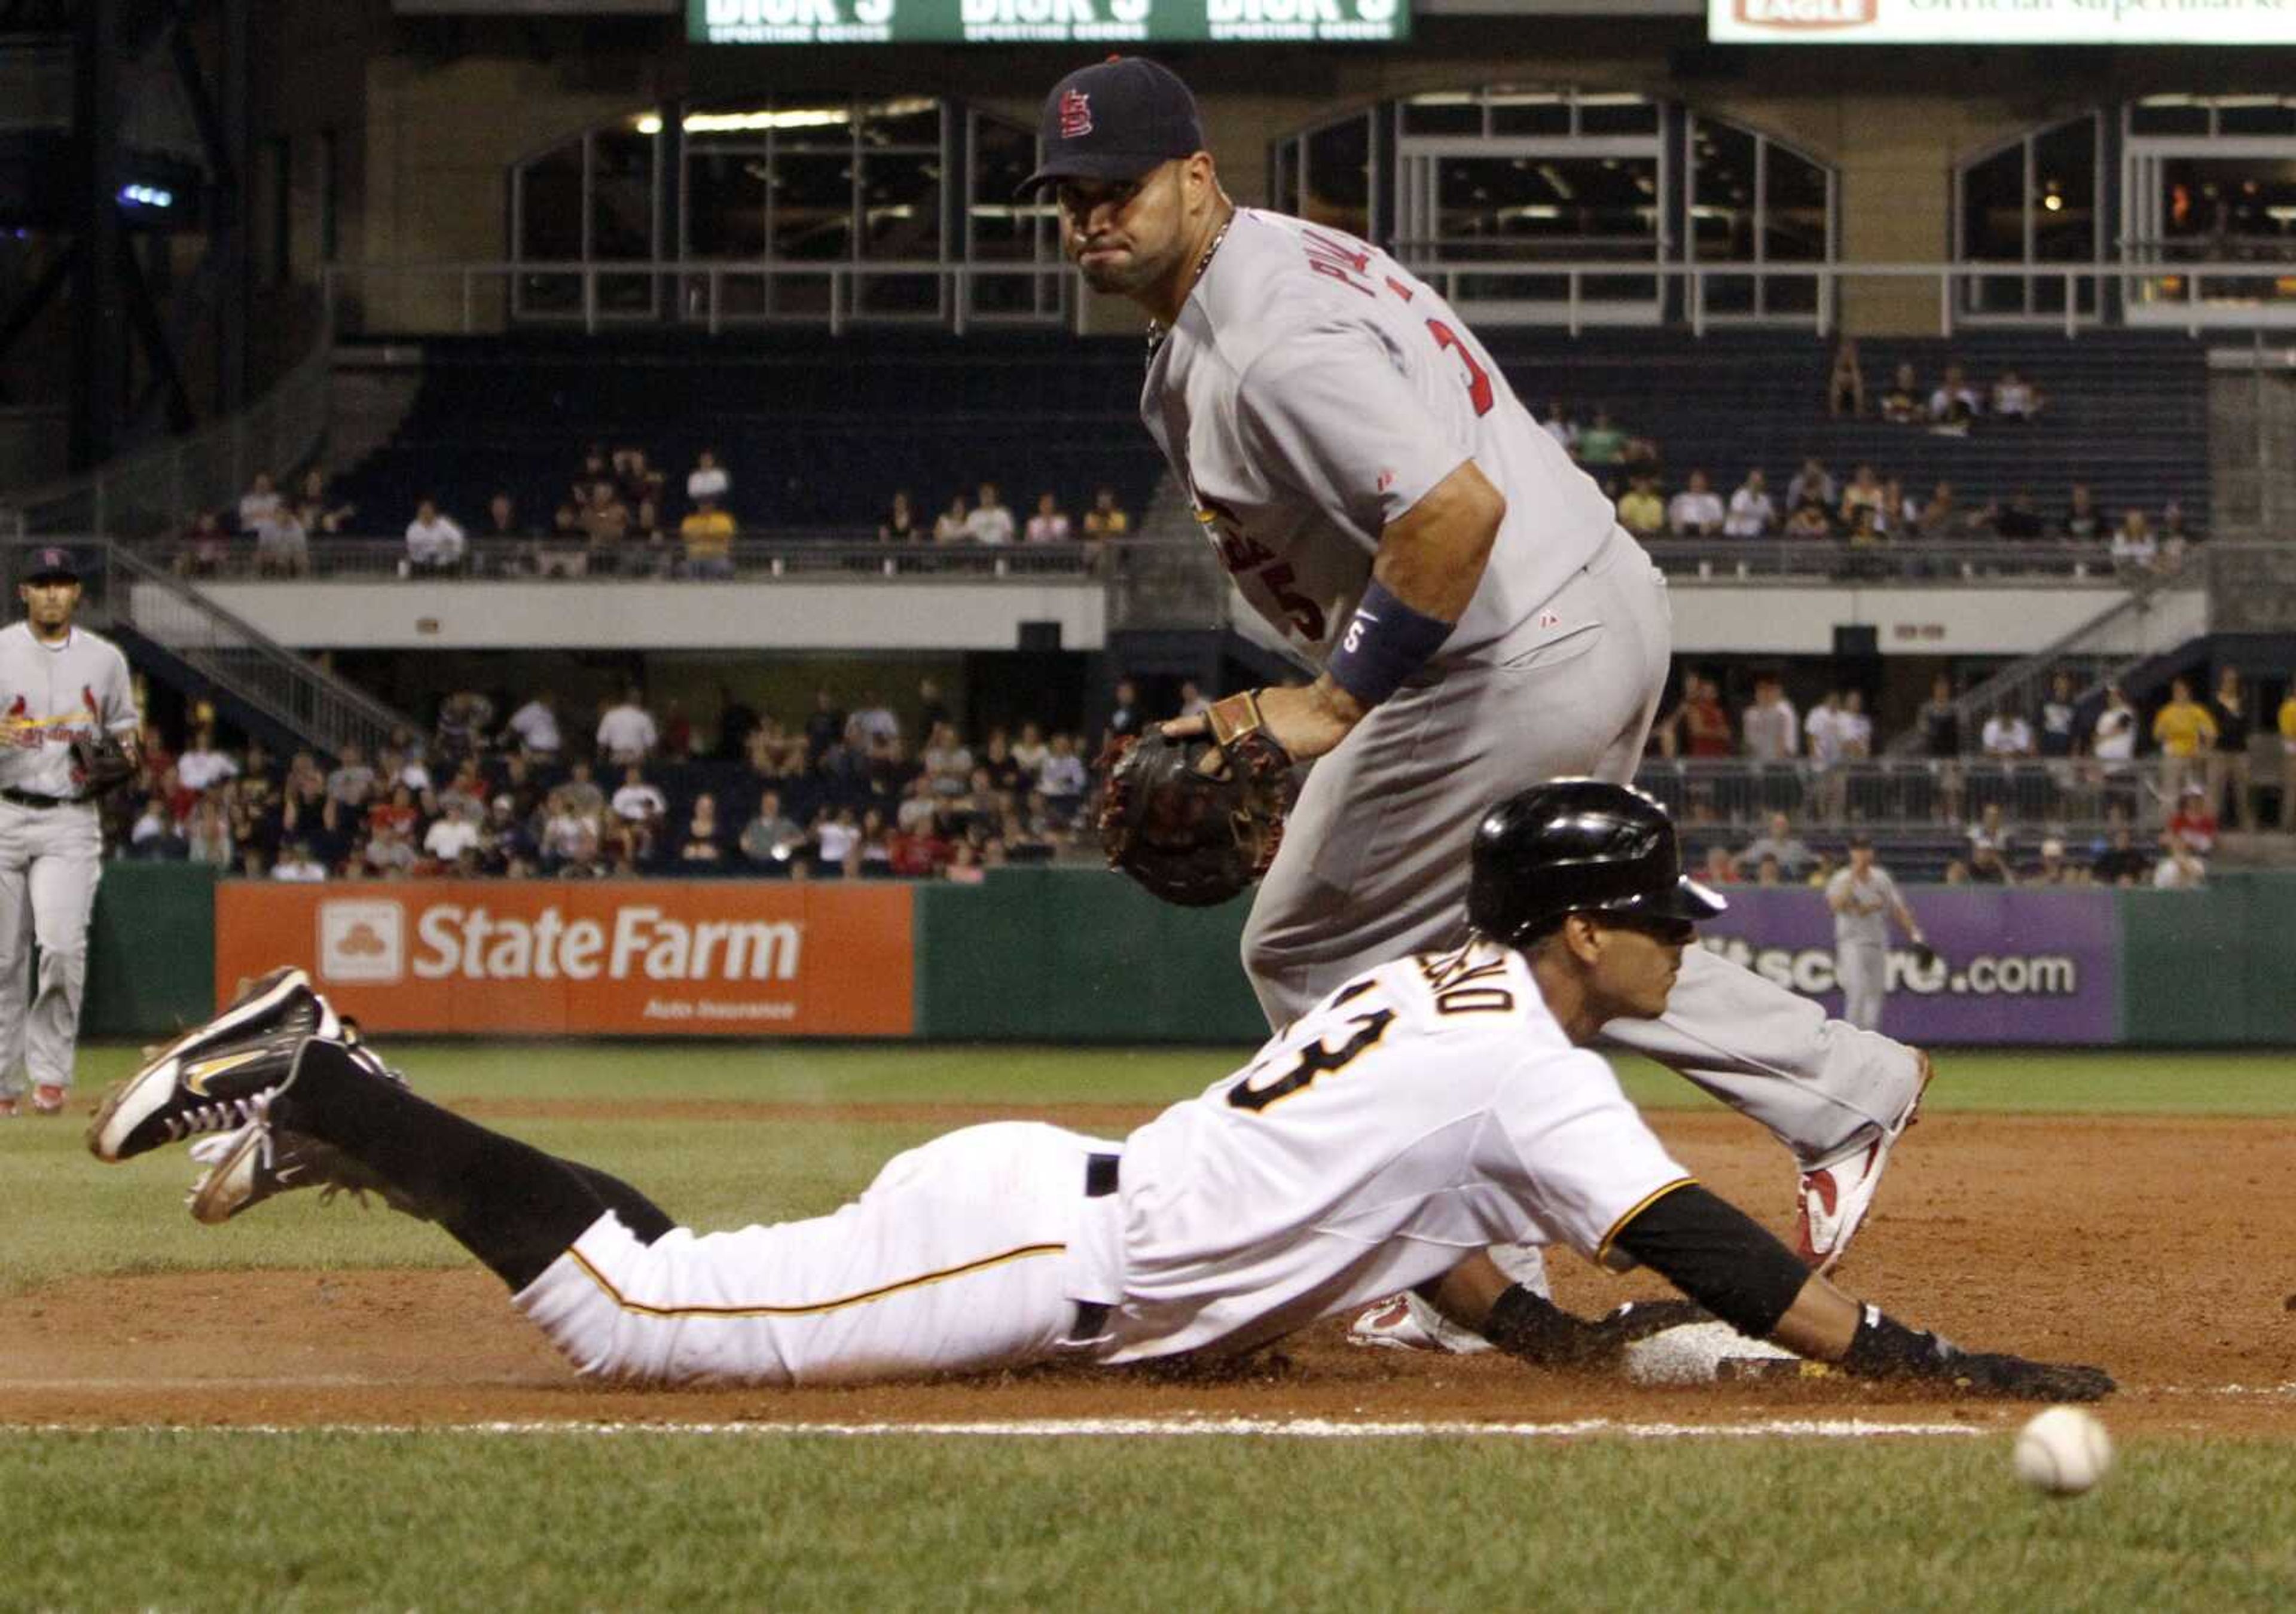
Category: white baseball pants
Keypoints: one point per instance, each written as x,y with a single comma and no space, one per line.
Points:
1862,971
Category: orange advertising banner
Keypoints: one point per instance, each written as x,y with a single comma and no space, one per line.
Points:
690,958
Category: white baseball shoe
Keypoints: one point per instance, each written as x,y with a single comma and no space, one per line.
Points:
49,1099
1836,1192
1408,1322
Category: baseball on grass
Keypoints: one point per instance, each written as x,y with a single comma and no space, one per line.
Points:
2062,1452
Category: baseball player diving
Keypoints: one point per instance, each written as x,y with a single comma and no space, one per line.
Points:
1424,1110
67,733
1376,492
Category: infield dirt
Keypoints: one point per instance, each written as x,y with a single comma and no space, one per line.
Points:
2156,1248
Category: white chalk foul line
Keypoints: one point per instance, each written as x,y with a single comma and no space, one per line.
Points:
1040,1428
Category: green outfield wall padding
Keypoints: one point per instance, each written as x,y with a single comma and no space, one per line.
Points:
151,950
2209,967
1079,956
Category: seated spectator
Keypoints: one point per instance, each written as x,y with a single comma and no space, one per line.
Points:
1719,869
707,537
900,525
388,853
1050,524
1865,529
1696,512
1641,510
2195,821
1955,403
2006,736
947,761
1895,515
1770,730
990,521
1810,520
435,543
206,547
704,838
2134,550
638,800
1941,517
453,832
207,835
2083,523
352,781
952,524
297,866
2053,870
283,544
836,840
2015,398
259,502
203,764
535,724
1812,481
1752,513
2018,521
1767,872
1063,778
708,481
2180,867
1863,493
2122,862
1603,443
1989,867
1845,386
503,529
1705,725
771,838
2173,529
639,483
320,511
1559,425
605,522
1991,829
1901,405
1781,845
626,732
1106,519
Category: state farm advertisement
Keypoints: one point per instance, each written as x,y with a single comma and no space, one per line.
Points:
687,958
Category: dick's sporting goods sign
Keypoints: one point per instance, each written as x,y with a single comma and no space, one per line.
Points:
2001,22
1045,22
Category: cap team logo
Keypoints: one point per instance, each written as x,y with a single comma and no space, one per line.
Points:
1806,13
361,940
1075,114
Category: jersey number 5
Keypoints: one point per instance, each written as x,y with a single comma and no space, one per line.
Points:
1479,381
1314,1060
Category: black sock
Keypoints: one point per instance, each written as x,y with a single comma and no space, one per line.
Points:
515,1208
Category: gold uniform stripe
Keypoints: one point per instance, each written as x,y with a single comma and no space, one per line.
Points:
816,1307
1602,1250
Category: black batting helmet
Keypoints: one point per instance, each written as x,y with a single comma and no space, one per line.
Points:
1575,845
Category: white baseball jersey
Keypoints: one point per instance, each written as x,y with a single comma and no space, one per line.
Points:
49,693
1425,1111
1311,392
1864,918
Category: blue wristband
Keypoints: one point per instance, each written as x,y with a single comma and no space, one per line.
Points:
1385,643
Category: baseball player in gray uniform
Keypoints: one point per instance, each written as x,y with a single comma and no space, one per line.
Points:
1864,899
56,680
1422,1110
1377,492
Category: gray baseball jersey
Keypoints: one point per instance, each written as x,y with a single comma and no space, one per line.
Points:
1312,391
49,693
1864,918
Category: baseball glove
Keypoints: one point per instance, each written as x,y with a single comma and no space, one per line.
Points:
100,764
1925,954
1197,821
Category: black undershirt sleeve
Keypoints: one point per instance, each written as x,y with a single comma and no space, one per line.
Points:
1718,1255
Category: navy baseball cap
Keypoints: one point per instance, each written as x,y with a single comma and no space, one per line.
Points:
1115,119
51,561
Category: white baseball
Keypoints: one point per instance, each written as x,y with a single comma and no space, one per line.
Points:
2062,1452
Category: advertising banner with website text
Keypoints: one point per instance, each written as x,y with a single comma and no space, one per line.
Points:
698,958
2013,966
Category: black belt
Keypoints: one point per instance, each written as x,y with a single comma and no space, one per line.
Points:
26,799
1100,1180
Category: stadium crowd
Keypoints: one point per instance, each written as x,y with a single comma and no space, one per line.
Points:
841,794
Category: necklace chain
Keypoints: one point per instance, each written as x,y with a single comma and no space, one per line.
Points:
1156,330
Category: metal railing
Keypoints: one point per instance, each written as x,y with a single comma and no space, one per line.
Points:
1904,796
1179,567
156,490
293,691
475,296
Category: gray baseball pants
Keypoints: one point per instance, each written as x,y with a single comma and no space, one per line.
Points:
1373,863
50,861
1861,969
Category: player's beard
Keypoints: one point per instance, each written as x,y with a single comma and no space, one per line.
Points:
1129,276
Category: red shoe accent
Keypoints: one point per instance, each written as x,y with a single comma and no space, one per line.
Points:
47,1099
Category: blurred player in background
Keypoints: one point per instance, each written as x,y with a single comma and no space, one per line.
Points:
56,681
1478,617
1865,900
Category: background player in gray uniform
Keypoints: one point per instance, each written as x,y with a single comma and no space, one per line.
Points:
1864,899
1422,1110
1377,492
56,680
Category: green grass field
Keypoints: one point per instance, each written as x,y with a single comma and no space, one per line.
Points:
341,1519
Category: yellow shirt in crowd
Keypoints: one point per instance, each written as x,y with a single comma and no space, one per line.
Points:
2288,722
2182,726
1642,511
708,534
